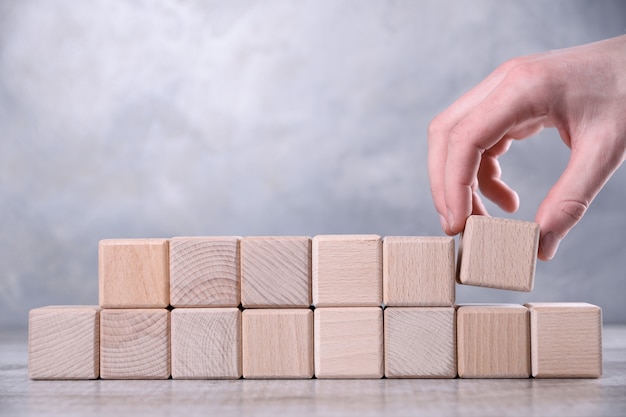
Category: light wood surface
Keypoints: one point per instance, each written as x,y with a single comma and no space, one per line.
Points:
276,271
204,271
347,270
277,343
420,342
498,253
493,341
349,342
134,344
63,342
206,343
418,271
20,396
133,273
566,340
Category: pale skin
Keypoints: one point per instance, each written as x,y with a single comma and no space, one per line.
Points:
580,91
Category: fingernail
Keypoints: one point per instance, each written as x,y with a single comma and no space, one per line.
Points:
450,219
444,222
549,245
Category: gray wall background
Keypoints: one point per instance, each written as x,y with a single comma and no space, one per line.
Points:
166,118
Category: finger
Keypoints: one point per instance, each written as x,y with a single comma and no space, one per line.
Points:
490,177
438,134
587,171
501,147
492,186
477,206
511,103
437,154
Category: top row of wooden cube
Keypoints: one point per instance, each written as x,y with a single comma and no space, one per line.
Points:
326,271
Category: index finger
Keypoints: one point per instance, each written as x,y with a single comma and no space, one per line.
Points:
439,132
517,98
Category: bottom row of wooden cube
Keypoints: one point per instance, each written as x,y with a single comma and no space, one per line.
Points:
554,340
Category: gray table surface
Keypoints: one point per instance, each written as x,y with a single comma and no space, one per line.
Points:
452,397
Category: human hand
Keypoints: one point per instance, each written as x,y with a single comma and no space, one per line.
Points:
581,91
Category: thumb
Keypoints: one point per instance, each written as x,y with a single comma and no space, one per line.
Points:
588,169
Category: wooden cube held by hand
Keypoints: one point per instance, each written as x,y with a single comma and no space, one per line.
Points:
498,253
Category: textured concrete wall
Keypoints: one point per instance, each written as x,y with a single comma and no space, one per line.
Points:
164,118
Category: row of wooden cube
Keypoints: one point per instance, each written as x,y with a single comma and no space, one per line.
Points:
471,341
277,272
326,271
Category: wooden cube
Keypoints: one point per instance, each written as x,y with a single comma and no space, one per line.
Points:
493,341
134,344
133,273
206,343
204,272
277,343
64,342
498,253
276,271
349,342
566,340
418,271
347,270
420,342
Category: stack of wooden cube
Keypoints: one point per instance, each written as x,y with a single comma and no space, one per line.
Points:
334,306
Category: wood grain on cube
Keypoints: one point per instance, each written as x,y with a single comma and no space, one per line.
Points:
493,341
204,272
418,271
206,343
276,271
420,342
277,343
133,273
64,342
349,342
566,340
498,253
134,344
347,270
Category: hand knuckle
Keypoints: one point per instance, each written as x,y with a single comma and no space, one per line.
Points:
435,127
574,209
